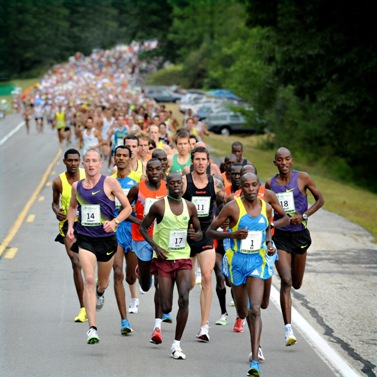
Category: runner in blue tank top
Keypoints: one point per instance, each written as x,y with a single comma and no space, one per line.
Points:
248,249
292,241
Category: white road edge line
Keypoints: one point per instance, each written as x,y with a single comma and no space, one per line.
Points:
323,349
5,138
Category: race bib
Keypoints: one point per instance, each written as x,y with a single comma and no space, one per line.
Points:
117,202
287,201
252,243
148,204
90,215
177,239
118,141
202,204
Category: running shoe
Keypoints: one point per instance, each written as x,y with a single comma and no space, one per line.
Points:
203,334
134,306
290,338
100,301
254,369
223,321
167,318
81,317
238,326
156,336
176,353
92,335
260,355
232,303
125,327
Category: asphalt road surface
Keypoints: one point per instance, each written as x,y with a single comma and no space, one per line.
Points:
334,320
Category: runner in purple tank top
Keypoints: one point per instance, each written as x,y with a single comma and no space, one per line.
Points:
292,241
94,198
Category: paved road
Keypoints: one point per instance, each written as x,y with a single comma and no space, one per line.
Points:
39,338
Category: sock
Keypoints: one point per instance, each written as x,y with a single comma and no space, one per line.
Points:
288,327
93,327
157,323
176,343
221,293
98,293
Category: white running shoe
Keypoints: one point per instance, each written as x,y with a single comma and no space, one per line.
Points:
290,338
92,335
260,355
100,301
203,334
223,321
176,353
134,306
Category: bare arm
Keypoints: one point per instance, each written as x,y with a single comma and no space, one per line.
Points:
230,211
56,192
194,232
72,211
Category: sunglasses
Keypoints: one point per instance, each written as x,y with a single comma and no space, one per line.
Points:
151,148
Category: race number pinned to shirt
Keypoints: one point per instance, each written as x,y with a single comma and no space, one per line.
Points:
252,243
117,202
148,204
91,215
287,201
202,204
177,239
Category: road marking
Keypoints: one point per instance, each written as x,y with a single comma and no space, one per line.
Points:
17,224
41,199
30,218
11,253
48,184
5,138
322,348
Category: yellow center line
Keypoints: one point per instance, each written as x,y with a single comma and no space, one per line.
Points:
16,226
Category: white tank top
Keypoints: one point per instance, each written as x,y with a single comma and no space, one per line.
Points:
106,126
88,141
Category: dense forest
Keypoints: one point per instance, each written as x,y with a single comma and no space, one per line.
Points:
307,67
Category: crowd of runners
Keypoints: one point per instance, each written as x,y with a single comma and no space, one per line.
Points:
150,198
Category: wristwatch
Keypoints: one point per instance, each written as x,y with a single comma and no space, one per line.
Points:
304,216
116,221
272,225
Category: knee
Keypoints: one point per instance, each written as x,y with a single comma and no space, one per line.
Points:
254,310
75,261
118,274
130,279
297,284
207,279
286,281
90,280
183,301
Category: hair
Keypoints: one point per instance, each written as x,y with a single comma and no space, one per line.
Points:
143,135
182,134
123,147
152,143
172,174
199,150
71,151
131,137
236,164
237,144
246,169
192,136
153,161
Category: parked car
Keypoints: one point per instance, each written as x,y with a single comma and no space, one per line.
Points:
189,100
161,94
227,122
